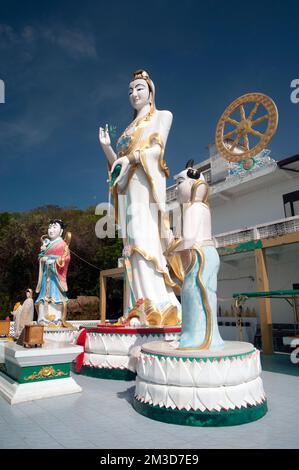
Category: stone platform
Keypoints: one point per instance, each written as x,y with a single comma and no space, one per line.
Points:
33,373
200,387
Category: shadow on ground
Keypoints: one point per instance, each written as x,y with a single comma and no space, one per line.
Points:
127,395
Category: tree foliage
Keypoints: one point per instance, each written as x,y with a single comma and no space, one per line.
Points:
20,244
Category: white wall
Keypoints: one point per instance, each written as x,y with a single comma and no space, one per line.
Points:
262,205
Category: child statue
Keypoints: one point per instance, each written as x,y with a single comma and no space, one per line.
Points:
54,259
23,314
200,261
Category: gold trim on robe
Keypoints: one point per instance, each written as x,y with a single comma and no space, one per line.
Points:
168,281
209,329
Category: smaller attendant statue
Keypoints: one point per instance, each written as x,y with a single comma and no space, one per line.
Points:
23,314
200,261
54,259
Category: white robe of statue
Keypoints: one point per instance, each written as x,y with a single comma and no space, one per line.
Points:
140,191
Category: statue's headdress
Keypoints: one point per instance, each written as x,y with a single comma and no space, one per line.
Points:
57,221
199,178
192,172
29,291
140,73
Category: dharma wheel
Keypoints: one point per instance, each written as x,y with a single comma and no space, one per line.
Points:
246,127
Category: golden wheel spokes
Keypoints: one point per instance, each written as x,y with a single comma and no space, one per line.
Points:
242,112
230,134
246,141
233,121
253,111
261,119
244,127
234,144
256,133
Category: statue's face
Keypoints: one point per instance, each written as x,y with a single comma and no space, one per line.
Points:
183,187
139,94
54,231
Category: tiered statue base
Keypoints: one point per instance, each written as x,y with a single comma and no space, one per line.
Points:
200,388
34,373
64,335
111,352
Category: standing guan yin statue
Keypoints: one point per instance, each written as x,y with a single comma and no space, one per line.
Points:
138,173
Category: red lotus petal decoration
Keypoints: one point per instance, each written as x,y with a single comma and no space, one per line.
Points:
81,342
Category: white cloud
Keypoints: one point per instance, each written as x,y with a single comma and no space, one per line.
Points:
25,132
28,33
76,43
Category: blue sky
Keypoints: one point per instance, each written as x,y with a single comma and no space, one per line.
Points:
67,64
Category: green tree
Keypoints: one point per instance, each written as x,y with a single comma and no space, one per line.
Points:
20,244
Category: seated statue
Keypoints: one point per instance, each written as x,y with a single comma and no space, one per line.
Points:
52,287
23,314
200,261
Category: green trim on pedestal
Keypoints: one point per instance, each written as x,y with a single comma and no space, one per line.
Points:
105,373
193,358
202,418
40,373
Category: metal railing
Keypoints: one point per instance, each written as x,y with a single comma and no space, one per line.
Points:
270,229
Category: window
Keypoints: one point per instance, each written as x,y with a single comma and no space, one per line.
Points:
291,204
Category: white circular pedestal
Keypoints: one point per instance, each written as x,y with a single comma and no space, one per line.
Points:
65,335
200,388
110,352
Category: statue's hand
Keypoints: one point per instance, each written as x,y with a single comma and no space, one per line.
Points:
50,261
124,162
104,137
44,259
